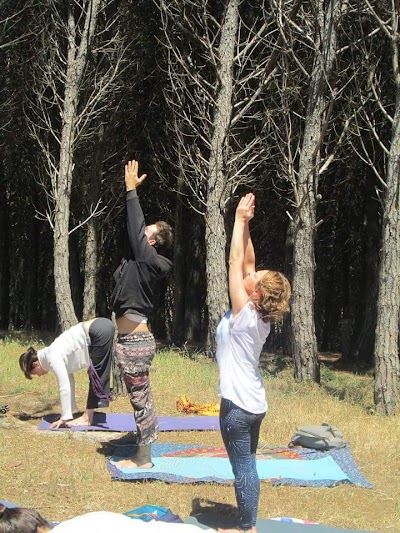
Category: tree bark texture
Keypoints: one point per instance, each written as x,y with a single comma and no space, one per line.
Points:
92,241
4,255
304,343
90,267
76,61
215,235
387,365
178,326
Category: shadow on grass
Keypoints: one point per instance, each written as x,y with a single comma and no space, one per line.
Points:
213,514
38,414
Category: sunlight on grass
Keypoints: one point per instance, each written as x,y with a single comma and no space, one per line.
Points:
71,477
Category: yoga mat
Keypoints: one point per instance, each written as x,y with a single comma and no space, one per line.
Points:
214,520
194,464
219,468
122,422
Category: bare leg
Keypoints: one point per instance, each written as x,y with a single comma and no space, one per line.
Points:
85,420
142,459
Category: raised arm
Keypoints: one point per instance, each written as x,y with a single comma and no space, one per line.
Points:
239,244
135,222
249,263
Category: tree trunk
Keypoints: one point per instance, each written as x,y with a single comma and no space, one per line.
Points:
4,256
217,286
76,61
195,299
179,271
288,271
92,241
304,343
363,344
387,366
89,291
30,287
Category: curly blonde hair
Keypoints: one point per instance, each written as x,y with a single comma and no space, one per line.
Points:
273,296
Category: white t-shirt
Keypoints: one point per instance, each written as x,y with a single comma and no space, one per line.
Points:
239,344
67,354
106,522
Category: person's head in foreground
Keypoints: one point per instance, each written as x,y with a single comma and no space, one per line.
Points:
22,520
270,293
30,365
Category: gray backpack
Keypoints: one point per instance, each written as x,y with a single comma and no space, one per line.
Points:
323,437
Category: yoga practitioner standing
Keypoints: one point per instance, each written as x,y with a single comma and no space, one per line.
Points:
132,302
257,298
87,345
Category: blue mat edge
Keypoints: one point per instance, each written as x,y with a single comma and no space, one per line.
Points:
342,456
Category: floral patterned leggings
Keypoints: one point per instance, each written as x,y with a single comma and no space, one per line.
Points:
240,432
134,353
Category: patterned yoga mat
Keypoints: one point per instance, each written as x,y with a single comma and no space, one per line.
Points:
183,463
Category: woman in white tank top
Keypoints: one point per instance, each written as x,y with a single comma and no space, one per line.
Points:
258,298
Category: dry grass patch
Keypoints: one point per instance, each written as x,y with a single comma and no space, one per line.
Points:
64,474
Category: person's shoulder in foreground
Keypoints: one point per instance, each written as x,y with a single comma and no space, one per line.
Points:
105,521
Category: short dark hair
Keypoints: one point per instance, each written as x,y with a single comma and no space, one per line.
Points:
26,361
20,520
164,235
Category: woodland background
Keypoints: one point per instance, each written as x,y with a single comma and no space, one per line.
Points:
297,101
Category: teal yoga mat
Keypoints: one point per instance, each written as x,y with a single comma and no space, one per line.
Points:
202,468
190,463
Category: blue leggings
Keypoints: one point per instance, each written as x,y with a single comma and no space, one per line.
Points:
240,432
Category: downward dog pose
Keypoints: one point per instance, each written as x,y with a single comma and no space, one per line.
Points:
87,345
257,298
132,302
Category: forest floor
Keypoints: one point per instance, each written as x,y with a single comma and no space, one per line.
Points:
63,474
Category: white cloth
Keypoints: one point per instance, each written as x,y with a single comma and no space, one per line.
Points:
239,344
106,522
66,355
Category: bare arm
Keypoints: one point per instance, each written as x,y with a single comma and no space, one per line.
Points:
239,243
249,263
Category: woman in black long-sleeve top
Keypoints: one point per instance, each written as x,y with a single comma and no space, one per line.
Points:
132,302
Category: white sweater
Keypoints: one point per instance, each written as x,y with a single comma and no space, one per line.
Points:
66,355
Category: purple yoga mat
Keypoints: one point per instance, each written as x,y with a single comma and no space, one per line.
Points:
125,422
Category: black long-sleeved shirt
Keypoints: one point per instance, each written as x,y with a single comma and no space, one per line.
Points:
140,267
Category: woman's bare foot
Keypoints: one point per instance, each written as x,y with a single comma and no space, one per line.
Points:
142,459
85,420
135,462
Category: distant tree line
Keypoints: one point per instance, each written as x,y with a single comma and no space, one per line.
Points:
298,101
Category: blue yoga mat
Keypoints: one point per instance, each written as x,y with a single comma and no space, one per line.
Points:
122,422
206,468
311,468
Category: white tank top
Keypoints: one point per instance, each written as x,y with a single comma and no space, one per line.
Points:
239,344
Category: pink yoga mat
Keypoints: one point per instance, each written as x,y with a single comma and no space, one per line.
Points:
126,422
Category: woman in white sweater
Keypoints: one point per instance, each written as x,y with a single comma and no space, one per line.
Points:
88,345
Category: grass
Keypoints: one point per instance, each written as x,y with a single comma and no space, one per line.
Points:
64,474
